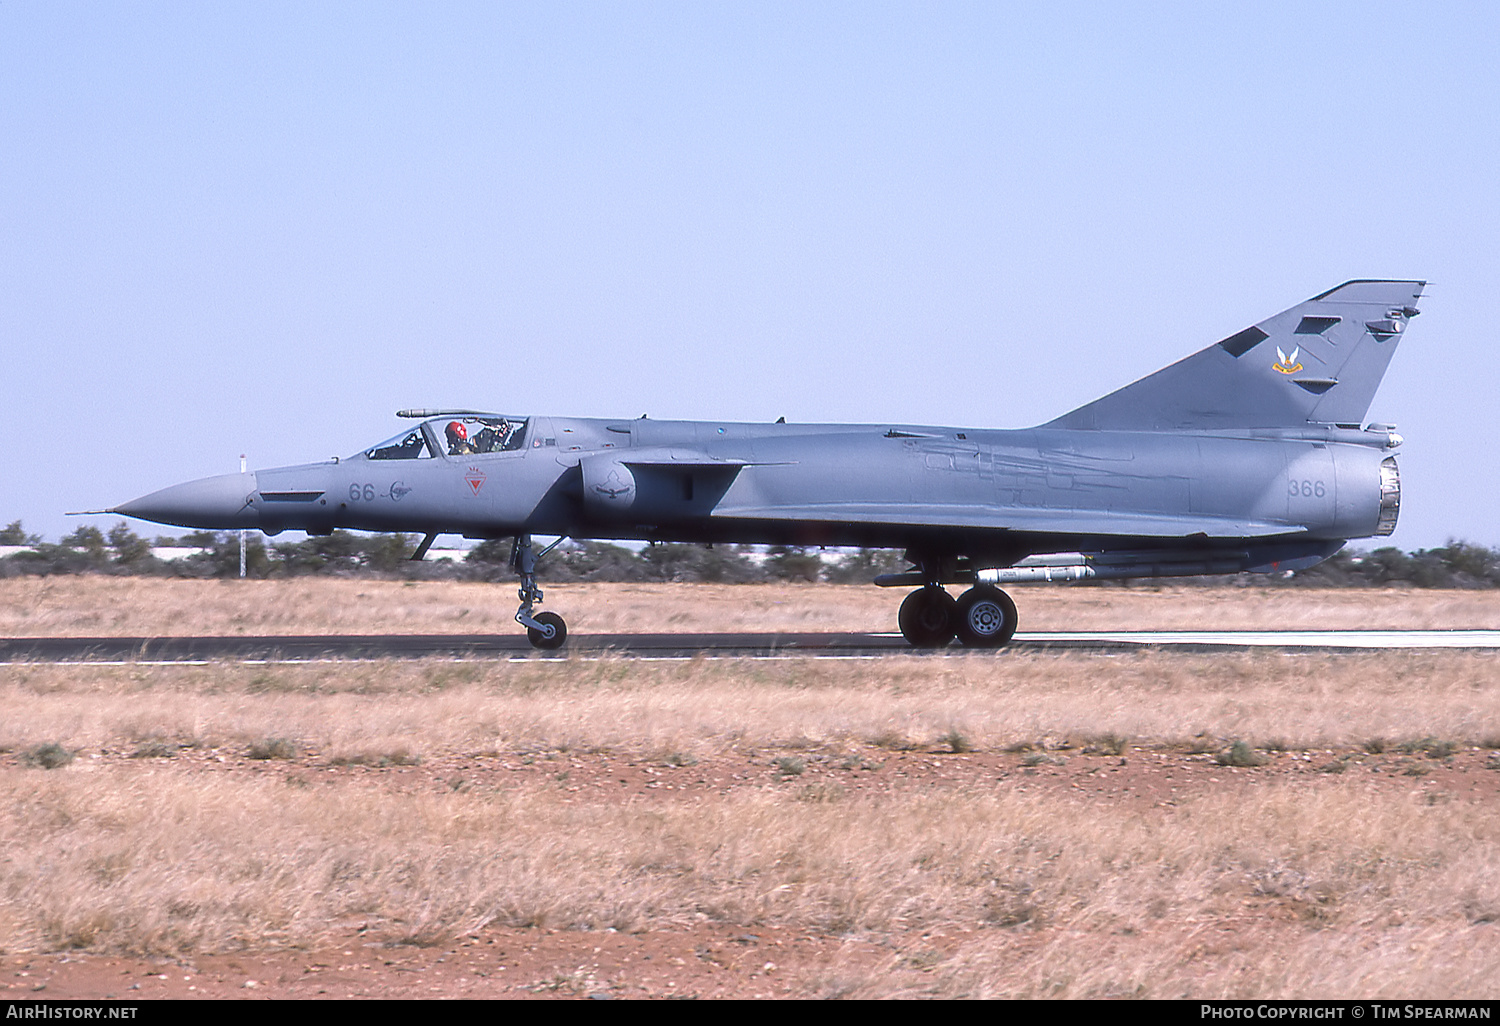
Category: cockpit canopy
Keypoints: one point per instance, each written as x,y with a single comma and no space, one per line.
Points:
409,445
458,435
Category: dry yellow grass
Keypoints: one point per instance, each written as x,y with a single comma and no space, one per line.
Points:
1302,700
89,606
1318,885
1051,897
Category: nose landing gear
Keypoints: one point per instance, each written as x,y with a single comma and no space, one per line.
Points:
983,617
545,630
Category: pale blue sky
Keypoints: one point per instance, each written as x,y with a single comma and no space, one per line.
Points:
264,227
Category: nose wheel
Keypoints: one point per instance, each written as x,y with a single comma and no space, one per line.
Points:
545,630
983,617
546,621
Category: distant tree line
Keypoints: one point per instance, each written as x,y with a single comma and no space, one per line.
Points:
217,554
1455,565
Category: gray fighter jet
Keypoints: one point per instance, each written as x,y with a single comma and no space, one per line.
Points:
1250,455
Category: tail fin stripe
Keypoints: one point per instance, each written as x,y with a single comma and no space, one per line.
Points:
1317,386
1237,345
1315,325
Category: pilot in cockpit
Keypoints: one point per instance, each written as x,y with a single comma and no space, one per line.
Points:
458,439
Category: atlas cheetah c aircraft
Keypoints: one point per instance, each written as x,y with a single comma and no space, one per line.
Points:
1250,455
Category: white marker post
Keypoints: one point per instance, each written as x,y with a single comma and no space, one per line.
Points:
242,530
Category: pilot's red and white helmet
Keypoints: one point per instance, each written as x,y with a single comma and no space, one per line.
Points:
457,432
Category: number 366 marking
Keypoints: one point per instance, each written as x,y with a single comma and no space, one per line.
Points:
1305,488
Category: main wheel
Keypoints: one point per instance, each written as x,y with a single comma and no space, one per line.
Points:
986,617
927,618
539,639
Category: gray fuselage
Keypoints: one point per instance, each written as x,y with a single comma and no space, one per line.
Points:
992,496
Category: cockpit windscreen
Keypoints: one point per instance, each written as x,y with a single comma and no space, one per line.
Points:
409,445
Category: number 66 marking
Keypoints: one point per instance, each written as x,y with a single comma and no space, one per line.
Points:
358,492
1305,488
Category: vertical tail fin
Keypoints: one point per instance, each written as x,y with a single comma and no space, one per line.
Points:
1320,361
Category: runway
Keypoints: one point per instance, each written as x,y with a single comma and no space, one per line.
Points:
312,648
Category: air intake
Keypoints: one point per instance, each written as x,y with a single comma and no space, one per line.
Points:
1390,496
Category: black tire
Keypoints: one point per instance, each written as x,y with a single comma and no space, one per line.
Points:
985,618
559,631
927,618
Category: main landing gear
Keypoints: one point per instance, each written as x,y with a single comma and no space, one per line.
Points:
545,630
983,617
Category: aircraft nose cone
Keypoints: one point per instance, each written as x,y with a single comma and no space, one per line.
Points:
212,503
